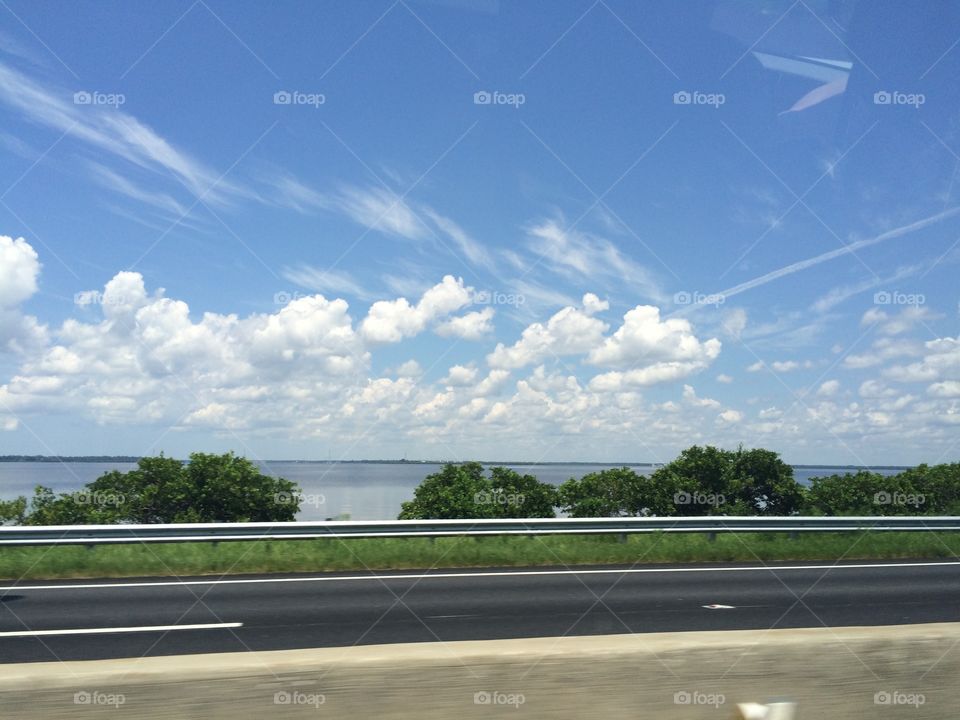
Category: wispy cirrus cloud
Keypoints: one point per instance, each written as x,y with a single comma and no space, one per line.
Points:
578,255
329,281
118,133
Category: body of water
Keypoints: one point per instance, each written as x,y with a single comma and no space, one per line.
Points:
364,491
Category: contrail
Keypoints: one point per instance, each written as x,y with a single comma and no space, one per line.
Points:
853,247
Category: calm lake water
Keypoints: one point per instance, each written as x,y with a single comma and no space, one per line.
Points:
364,491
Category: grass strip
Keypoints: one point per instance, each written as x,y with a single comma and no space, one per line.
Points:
293,556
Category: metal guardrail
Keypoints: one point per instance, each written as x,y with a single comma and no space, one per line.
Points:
216,532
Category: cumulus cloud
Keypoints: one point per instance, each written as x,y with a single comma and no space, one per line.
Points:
829,388
19,272
147,360
390,321
650,350
472,326
898,323
571,331
645,339
730,416
940,361
460,375
780,366
945,389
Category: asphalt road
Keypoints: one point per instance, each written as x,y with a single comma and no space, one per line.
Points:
47,621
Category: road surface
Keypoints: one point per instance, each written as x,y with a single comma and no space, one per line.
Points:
45,621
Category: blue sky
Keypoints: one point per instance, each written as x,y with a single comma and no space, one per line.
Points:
473,228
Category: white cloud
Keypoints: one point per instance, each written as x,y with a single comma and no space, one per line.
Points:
904,321
115,132
19,270
780,366
571,331
883,349
380,209
643,339
492,382
945,389
875,389
581,256
327,281
389,321
469,248
829,388
734,322
730,416
460,375
725,379
940,361
472,326
409,369
690,397
651,351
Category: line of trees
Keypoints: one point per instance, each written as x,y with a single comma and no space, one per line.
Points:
700,481
206,488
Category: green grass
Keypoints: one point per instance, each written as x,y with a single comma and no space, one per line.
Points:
398,553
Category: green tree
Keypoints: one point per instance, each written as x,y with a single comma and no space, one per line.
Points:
462,491
861,493
760,483
209,488
700,481
13,511
451,494
521,496
615,492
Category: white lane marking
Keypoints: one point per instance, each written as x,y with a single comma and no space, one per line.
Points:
136,629
441,575
716,606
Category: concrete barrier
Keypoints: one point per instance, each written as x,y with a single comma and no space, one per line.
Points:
909,671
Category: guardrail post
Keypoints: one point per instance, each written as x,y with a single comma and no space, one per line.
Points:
622,538
711,537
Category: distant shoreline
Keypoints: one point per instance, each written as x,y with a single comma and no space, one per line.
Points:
134,459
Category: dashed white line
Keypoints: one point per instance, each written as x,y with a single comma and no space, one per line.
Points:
135,629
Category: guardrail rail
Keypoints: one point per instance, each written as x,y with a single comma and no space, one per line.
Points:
217,532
